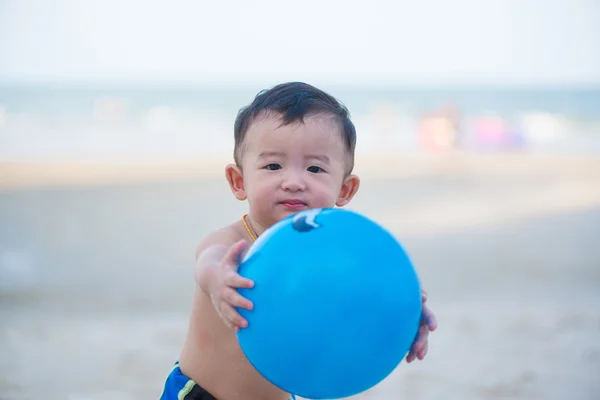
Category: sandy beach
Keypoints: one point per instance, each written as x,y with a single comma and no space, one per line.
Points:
96,277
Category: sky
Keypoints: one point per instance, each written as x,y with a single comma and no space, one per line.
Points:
497,42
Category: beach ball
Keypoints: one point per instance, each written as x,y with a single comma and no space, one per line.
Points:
337,304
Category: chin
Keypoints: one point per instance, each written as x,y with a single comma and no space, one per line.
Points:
284,214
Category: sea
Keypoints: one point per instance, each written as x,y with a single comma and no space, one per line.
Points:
75,121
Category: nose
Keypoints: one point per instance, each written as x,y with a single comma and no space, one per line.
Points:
293,181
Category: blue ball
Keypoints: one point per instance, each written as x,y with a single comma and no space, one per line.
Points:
337,304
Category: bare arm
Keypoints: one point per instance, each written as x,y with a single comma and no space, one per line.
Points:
209,254
217,261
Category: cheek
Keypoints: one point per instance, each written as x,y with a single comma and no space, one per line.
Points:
260,185
326,187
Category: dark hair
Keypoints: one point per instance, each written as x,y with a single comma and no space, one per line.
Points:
294,101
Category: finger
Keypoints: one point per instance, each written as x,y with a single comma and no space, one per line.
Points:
232,257
428,317
233,316
411,356
226,320
423,296
233,298
423,352
421,339
234,279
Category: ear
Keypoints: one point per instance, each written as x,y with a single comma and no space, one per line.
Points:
236,181
348,190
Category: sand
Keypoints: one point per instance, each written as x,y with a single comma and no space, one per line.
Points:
96,273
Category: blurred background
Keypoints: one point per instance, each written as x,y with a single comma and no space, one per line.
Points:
478,145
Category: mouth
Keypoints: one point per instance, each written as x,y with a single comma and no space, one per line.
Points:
293,204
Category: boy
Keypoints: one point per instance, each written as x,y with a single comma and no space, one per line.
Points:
294,150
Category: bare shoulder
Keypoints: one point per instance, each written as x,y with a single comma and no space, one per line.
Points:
223,238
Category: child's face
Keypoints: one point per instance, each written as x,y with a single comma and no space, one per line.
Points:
286,169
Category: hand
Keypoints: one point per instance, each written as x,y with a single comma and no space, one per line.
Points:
223,291
428,324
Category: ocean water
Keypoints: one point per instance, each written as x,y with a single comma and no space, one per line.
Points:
579,103
68,121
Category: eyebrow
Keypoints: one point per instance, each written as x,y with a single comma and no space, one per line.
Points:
266,154
322,158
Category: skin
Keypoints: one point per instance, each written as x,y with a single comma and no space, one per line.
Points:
284,169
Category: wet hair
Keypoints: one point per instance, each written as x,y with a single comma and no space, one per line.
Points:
294,101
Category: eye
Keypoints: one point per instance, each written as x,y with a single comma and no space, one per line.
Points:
273,167
314,169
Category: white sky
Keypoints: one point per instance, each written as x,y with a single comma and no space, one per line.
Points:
366,42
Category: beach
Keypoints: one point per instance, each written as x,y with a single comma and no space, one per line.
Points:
96,272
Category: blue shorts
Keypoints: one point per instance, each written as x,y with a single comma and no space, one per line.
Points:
180,387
